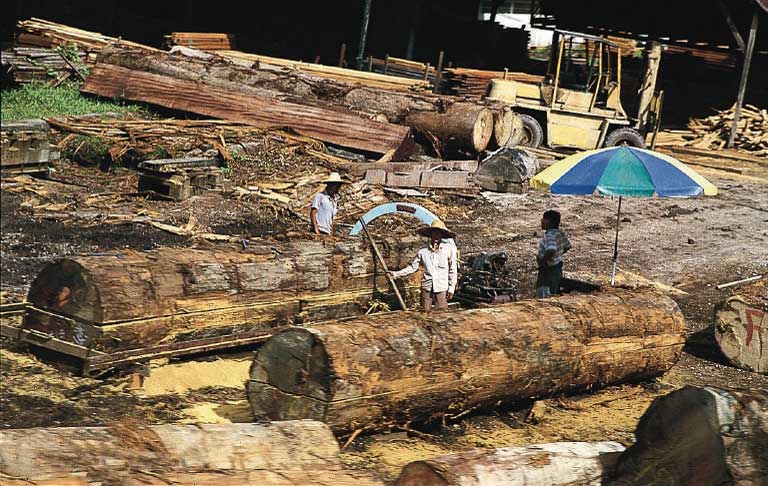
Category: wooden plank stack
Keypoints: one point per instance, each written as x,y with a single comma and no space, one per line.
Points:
205,41
37,64
395,66
474,82
42,33
751,135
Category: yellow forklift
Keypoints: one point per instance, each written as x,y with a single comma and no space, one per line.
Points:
578,103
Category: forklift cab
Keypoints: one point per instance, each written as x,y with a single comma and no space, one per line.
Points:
583,73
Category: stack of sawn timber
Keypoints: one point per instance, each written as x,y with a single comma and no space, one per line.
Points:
714,131
405,68
42,33
474,82
294,453
36,64
138,299
206,41
347,114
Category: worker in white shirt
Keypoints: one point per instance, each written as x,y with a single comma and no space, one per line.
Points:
325,205
439,260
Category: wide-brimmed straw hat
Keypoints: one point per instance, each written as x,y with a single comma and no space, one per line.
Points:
334,177
436,225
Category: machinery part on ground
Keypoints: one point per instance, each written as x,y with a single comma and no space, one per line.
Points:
741,332
506,170
383,370
533,134
486,279
699,435
625,136
555,464
278,453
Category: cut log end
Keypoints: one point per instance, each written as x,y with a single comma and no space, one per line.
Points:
741,332
483,130
421,473
290,377
503,126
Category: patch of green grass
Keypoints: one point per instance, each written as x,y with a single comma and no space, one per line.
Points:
39,101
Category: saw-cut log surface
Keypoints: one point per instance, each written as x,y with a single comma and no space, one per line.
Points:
741,332
278,453
697,436
468,126
503,126
556,464
144,298
334,126
376,371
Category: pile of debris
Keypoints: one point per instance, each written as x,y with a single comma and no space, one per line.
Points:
751,134
35,64
42,33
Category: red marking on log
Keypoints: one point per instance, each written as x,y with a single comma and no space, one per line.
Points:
751,324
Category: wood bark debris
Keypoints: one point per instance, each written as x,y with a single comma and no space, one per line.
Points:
334,126
556,464
278,453
410,366
751,135
699,435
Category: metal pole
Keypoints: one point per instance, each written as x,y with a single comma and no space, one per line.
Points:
616,245
363,33
342,54
439,74
744,76
383,266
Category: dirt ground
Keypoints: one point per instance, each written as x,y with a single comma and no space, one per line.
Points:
682,246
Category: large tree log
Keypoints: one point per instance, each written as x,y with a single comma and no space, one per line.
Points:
377,371
279,453
334,126
466,126
741,328
135,299
558,464
301,87
698,436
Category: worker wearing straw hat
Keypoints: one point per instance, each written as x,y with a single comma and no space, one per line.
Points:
439,259
325,205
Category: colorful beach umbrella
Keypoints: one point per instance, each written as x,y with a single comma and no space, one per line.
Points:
623,172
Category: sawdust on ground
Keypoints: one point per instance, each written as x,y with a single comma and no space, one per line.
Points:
183,377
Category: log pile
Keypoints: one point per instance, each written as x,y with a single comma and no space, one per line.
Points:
410,366
741,328
751,134
276,454
696,436
557,464
474,82
42,65
334,126
42,33
202,40
303,88
187,294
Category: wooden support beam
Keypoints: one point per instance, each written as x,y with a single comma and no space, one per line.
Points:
731,25
744,75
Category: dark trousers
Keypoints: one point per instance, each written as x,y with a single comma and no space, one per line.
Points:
549,278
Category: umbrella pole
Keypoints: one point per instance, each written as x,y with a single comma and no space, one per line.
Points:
616,245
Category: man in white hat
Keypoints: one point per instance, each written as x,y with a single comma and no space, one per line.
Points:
325,205
440,267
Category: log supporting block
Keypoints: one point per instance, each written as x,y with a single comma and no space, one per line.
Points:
446,179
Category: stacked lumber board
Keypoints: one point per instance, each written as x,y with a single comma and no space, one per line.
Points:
331,72
721,59
328,125
751,134
474,82
205,41
395,66
42,33
292,453
410,366
38,64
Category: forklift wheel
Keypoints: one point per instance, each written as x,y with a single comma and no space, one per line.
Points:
533,135
625,136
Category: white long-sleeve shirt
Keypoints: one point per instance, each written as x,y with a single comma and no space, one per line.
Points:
440,267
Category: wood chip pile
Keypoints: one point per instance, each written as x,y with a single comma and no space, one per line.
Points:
751,135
